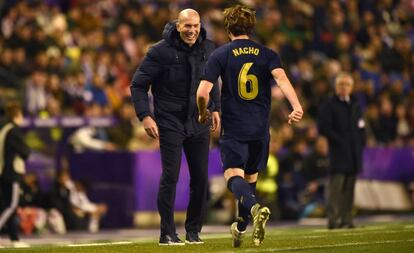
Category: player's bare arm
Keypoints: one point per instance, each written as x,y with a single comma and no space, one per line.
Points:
203,96
283,82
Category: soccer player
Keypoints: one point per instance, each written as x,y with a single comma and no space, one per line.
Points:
246,69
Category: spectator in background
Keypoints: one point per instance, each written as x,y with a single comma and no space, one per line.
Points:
387,122
373,125
123,132
141,140
315,171
36,95
74,91
96,91
402,127
32,213
84,207
291,180
173,68
13,152
341,122
60,200
90,137
31,193
7,77
128,133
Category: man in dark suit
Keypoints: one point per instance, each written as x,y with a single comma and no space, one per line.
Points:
172,68
340,120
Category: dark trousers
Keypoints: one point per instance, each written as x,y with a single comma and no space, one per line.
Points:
10,192
340,200
196,150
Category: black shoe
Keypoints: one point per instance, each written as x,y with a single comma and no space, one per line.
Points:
193,238
172,240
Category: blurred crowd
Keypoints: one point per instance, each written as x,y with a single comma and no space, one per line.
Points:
65,206
65,58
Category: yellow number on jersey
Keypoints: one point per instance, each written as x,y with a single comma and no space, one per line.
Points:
252,79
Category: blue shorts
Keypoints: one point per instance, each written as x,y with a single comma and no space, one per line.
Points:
251,156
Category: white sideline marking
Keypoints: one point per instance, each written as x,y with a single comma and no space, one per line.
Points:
355,232
99,244
319,246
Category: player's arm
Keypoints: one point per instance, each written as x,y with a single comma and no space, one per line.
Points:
203,96
284,84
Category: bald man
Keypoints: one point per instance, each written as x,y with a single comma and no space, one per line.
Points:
172,69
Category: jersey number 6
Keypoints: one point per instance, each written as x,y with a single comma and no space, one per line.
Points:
244,79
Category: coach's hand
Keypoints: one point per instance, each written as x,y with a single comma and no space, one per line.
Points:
296,115
150,127
215,121
205,117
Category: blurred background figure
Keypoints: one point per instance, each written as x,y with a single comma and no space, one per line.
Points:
84,207
70,199
91,137
341,122
315,171
13,152
291,180
59,199
32,211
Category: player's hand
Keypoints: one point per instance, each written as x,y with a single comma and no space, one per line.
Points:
150,127
295,115
215,121
205,118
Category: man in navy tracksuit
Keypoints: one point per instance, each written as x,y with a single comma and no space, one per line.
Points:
172,68
13,152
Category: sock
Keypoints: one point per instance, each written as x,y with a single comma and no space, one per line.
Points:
244,213
241,190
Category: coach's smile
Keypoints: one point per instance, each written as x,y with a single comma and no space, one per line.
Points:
189,26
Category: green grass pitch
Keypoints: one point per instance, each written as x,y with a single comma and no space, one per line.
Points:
378,238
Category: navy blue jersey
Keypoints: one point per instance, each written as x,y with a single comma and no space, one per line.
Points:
245,69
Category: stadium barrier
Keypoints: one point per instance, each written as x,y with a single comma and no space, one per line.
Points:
67,122
128,182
